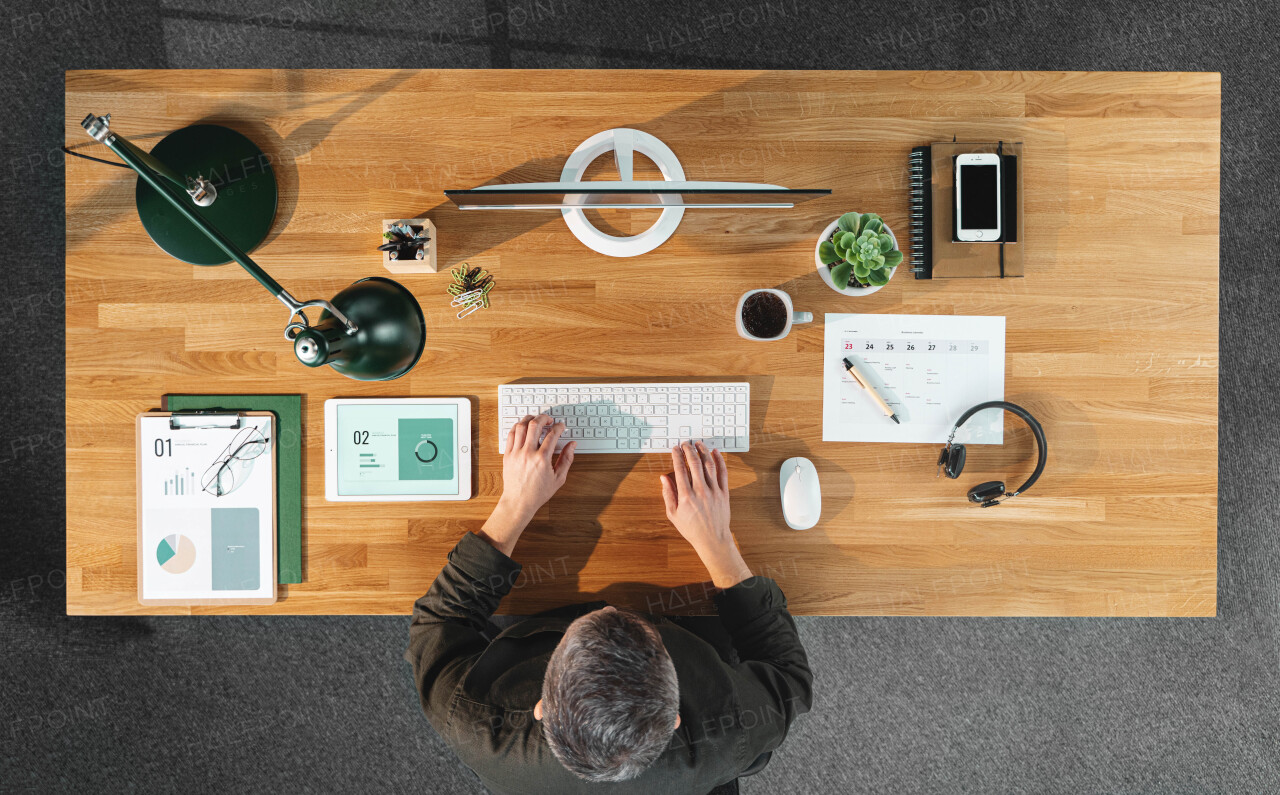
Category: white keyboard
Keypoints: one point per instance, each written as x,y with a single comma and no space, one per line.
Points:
634,418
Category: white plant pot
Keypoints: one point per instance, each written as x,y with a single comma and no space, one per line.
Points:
825,272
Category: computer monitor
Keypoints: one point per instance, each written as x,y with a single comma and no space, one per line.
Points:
672,194
633,195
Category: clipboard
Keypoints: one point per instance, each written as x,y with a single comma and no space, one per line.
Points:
206,484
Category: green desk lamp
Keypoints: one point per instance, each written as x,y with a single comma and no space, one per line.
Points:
373,330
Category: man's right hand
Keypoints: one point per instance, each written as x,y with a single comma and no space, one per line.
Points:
529,478
697,500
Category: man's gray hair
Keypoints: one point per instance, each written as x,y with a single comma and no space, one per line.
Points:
610,697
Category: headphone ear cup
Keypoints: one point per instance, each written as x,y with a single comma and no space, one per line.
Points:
987,493
955,461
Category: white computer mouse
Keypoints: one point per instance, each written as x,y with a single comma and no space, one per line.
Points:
801,493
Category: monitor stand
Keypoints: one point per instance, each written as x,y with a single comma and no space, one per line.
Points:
623,142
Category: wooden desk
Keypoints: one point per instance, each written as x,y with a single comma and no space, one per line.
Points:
1112,336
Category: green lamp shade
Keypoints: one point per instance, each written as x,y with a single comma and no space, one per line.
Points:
246,185
390,337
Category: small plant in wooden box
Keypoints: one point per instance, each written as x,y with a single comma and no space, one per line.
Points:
410,246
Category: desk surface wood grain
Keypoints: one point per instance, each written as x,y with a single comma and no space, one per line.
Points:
1112,335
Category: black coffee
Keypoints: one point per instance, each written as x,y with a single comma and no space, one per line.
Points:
764,315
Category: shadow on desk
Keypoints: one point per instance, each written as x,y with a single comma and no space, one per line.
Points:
557,545
561,542
466,237
282,152
466,234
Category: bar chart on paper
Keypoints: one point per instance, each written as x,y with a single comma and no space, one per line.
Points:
180,483
929,369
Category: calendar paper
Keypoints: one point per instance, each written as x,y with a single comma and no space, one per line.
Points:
928,368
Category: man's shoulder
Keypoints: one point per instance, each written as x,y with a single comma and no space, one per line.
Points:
708,684
508,673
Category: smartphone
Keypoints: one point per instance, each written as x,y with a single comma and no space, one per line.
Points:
978,197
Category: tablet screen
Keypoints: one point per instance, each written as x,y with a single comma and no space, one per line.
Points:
394,449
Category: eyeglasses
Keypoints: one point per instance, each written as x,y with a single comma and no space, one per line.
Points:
233,466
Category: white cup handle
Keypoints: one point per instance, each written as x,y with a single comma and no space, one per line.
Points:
801,317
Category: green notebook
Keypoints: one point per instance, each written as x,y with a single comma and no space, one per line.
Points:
288,411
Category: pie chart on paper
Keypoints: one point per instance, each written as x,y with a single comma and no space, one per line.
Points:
175,553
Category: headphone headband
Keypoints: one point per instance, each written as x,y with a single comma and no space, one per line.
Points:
1041,445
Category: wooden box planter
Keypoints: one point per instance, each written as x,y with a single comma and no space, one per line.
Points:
428,262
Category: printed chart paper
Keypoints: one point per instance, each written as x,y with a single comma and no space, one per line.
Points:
197,546
928,368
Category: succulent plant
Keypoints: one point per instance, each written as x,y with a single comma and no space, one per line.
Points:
404,242
860,253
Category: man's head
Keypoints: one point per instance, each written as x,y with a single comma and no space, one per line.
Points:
610,699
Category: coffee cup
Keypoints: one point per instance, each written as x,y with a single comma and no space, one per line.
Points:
766,316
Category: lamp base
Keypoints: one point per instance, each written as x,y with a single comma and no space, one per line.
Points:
245,205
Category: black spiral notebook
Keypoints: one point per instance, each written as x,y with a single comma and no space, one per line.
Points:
935,251
918,218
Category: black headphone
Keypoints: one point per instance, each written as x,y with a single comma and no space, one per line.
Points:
951,461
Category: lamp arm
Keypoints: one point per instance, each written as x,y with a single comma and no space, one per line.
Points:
113,141
167,183
201,190
296,309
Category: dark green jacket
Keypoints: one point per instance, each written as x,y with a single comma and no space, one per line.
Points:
479,695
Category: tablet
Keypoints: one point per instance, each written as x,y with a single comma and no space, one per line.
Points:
397,450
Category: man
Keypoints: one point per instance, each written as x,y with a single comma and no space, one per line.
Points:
605,700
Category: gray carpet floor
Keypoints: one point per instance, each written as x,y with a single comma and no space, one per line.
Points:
904,705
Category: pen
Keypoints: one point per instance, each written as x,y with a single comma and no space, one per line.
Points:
853,371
